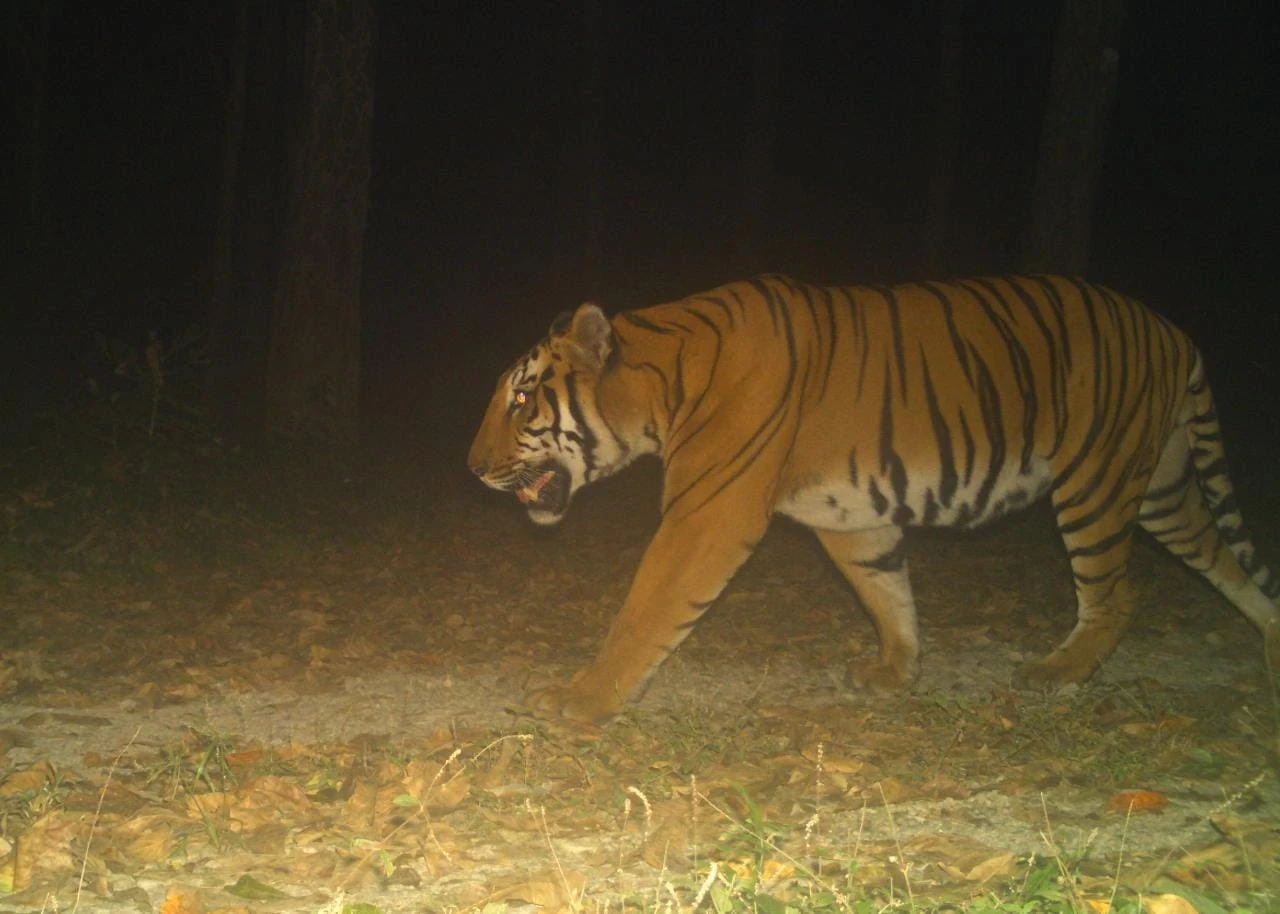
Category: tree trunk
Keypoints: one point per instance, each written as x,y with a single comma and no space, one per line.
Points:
1073,134
27,49
761,129
592,267
946,135
259,149
313,366
220,380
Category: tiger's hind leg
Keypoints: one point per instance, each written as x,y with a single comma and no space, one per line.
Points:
1176,511
873,562
1096,514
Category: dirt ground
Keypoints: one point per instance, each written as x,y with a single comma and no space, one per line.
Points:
239,685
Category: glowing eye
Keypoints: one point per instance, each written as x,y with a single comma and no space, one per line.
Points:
520,397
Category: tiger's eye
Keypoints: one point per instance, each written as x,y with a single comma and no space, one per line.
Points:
520,397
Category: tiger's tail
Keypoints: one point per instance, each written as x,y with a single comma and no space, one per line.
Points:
1176,516
1209,460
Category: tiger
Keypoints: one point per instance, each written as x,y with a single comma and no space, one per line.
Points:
861,411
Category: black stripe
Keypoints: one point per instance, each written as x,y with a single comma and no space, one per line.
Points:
941,435
765,431
890,561
899,347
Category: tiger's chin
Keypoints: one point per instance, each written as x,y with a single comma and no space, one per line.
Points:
547,497
546,518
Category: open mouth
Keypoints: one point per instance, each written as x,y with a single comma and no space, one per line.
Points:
547,496
530,493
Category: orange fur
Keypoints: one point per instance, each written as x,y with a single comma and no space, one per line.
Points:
860,411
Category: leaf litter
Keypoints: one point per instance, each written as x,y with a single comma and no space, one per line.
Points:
282,688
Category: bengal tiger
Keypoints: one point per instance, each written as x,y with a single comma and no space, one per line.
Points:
860,411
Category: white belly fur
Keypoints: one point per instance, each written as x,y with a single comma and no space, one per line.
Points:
842,506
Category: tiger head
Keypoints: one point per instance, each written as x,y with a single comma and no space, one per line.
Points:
543,436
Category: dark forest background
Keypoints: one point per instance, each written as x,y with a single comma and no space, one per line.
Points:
524,157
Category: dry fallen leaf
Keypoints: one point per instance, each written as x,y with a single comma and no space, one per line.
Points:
6,868
553,892
44,850
151,845
438,787
772,872
991,868
1177,722
667,830
1136,801
180,900
891,790
961,857
496,776
1239,828
28,780
244,758
944,787
1168,904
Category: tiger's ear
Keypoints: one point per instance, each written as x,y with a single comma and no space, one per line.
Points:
589,330
560,323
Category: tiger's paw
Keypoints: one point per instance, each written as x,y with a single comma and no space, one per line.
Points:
1051,673
568,702
884,678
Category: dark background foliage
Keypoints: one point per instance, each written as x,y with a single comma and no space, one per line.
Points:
477,226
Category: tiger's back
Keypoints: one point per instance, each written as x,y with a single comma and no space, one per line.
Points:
860,411
981,393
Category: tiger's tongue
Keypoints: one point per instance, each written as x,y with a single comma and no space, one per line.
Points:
530,492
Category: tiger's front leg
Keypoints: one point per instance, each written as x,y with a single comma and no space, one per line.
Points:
685,567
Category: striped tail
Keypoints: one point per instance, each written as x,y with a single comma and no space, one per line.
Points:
1209,458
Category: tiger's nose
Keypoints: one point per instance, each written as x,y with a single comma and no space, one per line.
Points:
480,468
